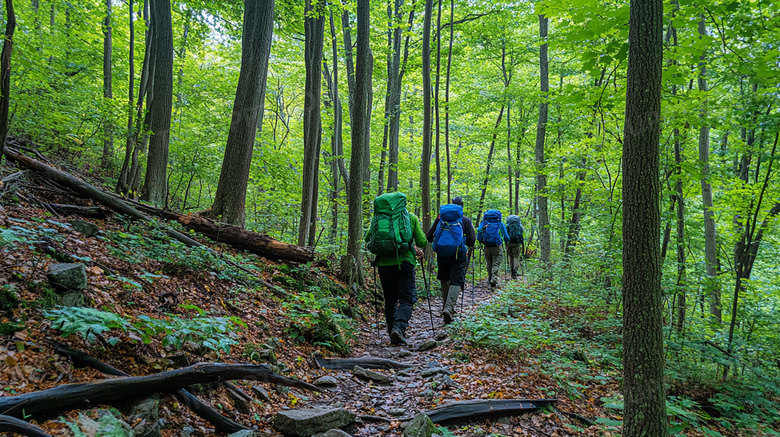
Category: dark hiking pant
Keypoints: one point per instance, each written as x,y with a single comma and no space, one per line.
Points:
400,294
452,274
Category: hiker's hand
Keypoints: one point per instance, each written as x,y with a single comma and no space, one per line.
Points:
419,252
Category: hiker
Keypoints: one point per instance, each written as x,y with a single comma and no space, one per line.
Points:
392,237
514,229
492,234
451,234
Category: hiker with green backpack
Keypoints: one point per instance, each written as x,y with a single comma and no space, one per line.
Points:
392,237
492,234
514,229
453,237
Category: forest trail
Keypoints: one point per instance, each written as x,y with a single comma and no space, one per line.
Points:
442,373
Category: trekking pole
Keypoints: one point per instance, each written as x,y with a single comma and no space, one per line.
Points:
463,286
473,284
428,295
376,308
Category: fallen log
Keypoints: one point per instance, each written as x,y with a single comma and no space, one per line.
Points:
220,422
108,391
260,244
364,362
84,211
471,409
19,426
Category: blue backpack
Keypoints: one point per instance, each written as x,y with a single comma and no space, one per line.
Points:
490,235
448,239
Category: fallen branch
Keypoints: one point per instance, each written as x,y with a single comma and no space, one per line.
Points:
365,362
471,409
108,391
19,426
84,211
220,422
260,244
584,420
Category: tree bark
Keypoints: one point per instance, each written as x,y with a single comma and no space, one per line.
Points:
643,357
541,172
108,92
314,26
425,168
5,72
395,123
436,105
465,410
678,188
352,263
121,186
447,102
19,426
156,182
710,233
85,395
230,199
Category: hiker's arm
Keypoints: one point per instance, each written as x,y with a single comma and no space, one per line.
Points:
471,236
504,234
432,231
419,237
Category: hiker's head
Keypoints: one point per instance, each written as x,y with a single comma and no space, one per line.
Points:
458,201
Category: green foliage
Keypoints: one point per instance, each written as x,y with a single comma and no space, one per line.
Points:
318,318
213,333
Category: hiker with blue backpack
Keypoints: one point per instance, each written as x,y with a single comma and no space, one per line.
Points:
453,237
392,237
492,234
514,229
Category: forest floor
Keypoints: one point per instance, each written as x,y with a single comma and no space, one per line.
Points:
135,272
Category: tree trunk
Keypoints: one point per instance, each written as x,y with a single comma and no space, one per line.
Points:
230,199
643,357
155,183
436,105
352,263
108,93
314,26
447,102
425,168
346,29
487,166
121,186
5,72
395,123
681,285
541,175
393,89
710,234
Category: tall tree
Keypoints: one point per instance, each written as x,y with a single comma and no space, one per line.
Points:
395,121
156,183
121,185
108,92
447,101
541,129
5,72
352,263
230,199
710,235
337,140
643,358
314,29
425,167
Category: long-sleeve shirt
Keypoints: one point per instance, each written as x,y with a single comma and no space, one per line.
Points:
409,255
501,231
468,231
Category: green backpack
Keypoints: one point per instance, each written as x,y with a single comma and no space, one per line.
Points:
391,228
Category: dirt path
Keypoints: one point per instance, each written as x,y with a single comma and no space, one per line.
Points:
409,390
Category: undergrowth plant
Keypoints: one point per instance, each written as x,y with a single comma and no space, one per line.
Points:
318,317
213,333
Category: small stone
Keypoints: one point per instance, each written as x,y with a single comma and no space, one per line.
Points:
281,389
435,371
333,433
428,345
404,353
261,393
441,335
370,375
420,426
67,276
85,227
187,431
242,433
405,372
326,381
397,411
306,422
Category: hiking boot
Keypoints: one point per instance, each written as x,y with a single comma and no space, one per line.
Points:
447,317
397,337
